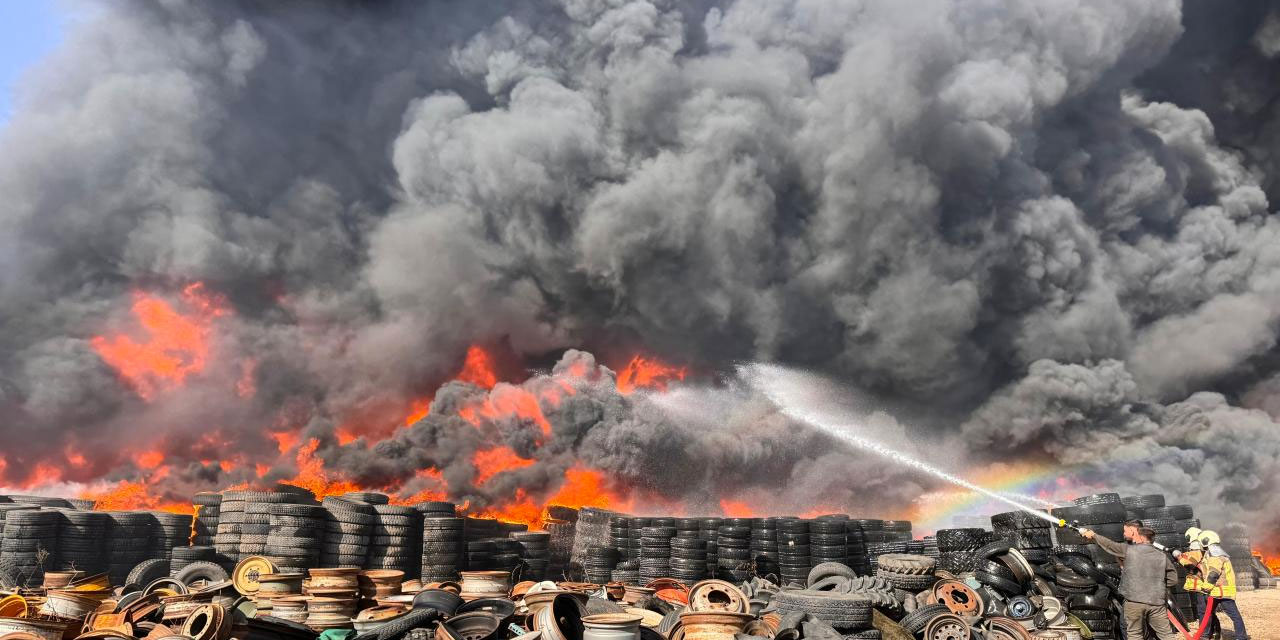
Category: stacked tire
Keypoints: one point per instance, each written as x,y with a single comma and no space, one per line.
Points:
733,550
708,529
764,545
506,555
296,536
81,536
170,530
226,542
480,555
849,613
599,563
535,550
1105,514
860,534
688,555
442,546
828,541
636,532
956,548
29,544
208,510
620,538
905,571
348,533
1235,541
480,530
897,530
562,534
42,502
397,539
1026,532
183,557
655,549
255,523
367,497
436,509
793,551
127,542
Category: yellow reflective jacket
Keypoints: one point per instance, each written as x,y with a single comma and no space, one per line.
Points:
1191,559
1225,587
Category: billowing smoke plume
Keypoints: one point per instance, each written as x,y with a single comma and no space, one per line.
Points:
1033,230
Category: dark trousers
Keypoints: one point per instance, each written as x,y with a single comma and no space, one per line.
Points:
1201,600
1228,606
1139,617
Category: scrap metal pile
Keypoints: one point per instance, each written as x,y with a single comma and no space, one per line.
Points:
282,565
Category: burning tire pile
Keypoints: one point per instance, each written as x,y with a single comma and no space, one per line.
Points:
281,564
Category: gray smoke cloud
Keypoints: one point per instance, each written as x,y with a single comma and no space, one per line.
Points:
1038,228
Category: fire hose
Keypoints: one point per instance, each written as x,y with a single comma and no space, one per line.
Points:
1170,608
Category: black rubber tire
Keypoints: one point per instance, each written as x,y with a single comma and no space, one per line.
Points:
1143,502
828,569
1092,514
915,621
960,539
1162,525
148,571
201,570
1098,498
996,568
1172,512
840,610
1001,584
907,581
9,575
907,563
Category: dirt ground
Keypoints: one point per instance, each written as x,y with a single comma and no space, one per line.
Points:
1261,612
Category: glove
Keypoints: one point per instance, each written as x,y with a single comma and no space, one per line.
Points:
1213,576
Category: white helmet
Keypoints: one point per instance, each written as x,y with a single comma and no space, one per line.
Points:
1209,537
1192,534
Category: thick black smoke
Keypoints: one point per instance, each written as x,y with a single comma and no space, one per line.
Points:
1037,228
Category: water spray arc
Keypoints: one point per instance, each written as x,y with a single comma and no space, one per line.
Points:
768,379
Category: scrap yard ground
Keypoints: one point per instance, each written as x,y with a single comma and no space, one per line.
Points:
1261,611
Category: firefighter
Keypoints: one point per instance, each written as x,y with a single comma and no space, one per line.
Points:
1191,560
1218,579
1146,578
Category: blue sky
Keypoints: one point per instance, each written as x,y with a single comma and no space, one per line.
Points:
29,29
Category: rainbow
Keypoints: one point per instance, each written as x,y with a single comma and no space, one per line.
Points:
1036,485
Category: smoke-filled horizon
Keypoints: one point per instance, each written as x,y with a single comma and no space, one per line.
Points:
1032,231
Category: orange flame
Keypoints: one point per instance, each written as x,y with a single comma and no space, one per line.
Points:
133,495
647,373
586,488
176,346
312,476
1272,564
418,409
478,369
736,509
582,487
507,400
490,462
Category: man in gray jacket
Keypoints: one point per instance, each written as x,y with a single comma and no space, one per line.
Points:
1146,578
